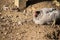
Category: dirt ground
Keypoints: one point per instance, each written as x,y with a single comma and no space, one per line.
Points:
19,25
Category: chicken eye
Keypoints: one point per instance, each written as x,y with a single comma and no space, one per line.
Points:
37,12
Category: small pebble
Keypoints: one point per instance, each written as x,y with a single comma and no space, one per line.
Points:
19,22
17,16
5,33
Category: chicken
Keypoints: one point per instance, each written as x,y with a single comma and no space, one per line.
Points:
46,15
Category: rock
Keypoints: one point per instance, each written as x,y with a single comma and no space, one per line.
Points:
19,23
2,17
5,33
5,7
56,3
0,14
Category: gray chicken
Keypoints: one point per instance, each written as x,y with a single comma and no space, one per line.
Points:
46,16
